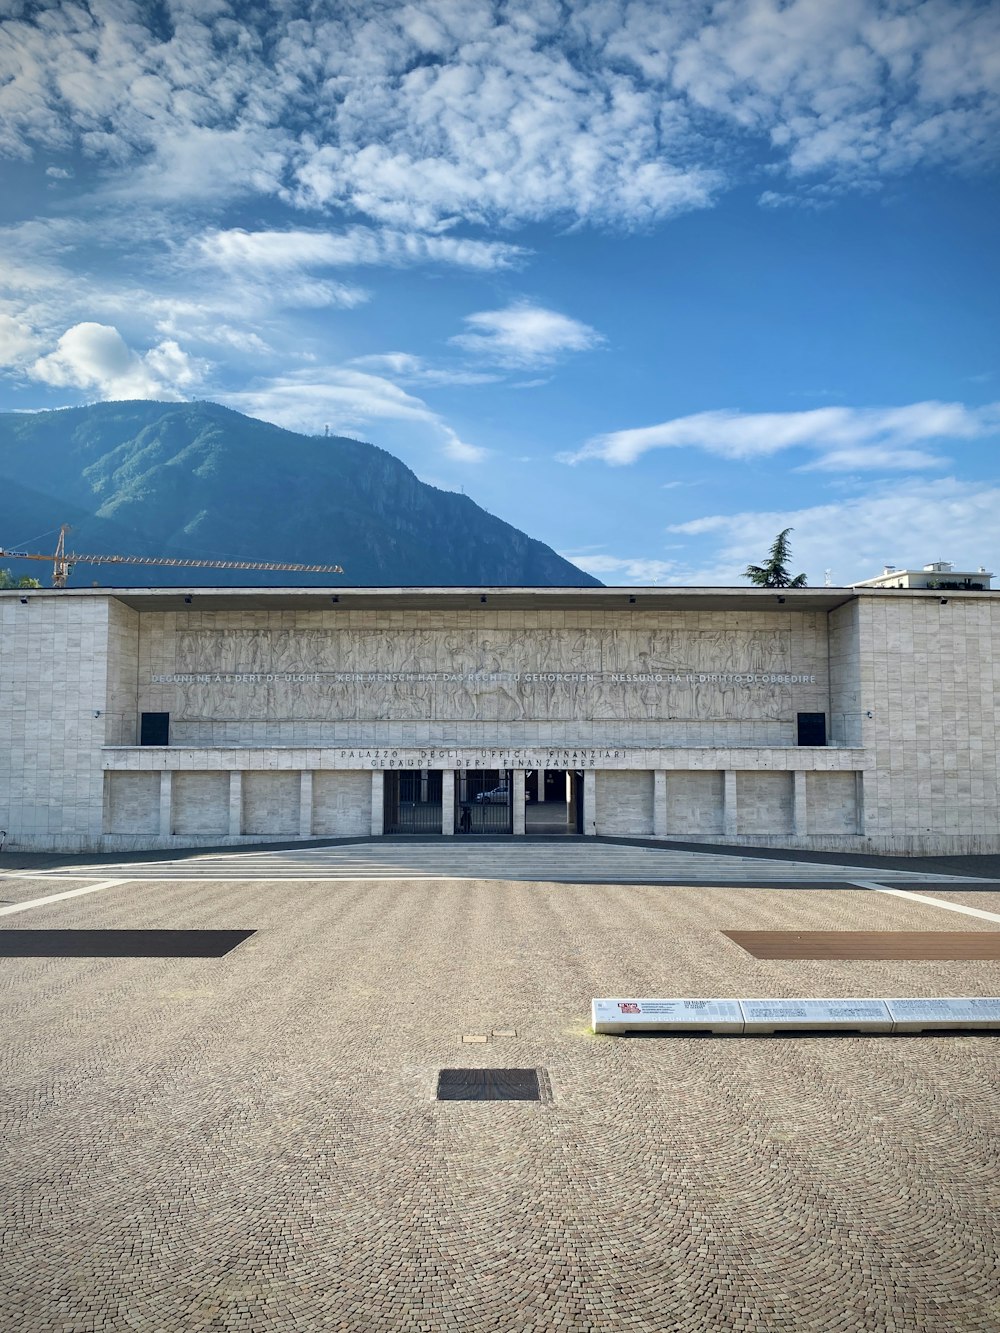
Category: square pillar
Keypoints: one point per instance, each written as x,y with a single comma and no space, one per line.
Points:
448,802
166,803
517,796
378,807
235,803
590,801
305,804
540,785
659,803
729,811
800,820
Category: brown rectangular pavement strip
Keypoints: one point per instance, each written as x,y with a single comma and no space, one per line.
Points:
890,945
120,943
488,1085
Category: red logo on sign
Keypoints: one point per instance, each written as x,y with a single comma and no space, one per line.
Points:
627,1008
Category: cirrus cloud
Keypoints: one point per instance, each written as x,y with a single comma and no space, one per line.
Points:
844,437
347,400
278,251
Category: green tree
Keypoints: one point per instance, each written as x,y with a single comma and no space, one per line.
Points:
7,580
775,573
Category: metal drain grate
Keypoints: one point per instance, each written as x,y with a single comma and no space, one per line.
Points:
899,945
488,1085
120,943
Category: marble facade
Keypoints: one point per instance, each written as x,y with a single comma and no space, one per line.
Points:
678,708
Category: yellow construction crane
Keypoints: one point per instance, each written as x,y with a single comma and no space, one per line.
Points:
63,561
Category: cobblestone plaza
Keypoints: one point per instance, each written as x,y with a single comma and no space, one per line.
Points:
253,1142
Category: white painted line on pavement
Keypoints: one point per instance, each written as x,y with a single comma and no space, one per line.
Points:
932,902
58,897
38,874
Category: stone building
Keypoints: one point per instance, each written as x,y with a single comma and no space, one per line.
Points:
827,718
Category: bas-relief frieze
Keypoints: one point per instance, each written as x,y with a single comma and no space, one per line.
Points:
489,675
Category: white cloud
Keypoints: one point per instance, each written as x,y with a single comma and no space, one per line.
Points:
638,571
604,111
907,524
847,437
96,357
278,251
524,335
18,342
347,400
415,370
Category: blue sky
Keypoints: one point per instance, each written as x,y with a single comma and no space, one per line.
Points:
649,280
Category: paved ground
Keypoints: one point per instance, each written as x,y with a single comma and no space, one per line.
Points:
252,1143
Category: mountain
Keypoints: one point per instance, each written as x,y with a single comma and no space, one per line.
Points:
202,481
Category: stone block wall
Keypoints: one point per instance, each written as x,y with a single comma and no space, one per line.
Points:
624,804
694,804
848,703
341,805
133,803
271,804
764,803
930,666
53,694
200,805
832,803
121,722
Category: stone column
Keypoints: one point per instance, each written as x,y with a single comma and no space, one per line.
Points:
590,801
235,803
305,803
166,803
859,797
659,803
448,802
800,820
517,796
541,785
729,812
378,797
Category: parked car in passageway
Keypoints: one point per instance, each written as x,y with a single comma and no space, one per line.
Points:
495,796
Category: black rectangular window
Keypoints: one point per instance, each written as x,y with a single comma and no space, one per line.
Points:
812,728
154,729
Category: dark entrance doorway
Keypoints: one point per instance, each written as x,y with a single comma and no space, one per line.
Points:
812,728
554,802
412,802
484,801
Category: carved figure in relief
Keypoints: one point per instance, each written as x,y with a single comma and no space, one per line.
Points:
767,651
494,700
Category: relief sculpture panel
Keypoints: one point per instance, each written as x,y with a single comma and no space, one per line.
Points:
490,675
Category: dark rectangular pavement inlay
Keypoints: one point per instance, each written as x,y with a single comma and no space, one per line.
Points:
120,943
488,1085
899,945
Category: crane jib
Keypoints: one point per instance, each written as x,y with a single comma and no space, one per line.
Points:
65,560
72,558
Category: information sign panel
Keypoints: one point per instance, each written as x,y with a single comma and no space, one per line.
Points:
650,1015
916,1015
815,1015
